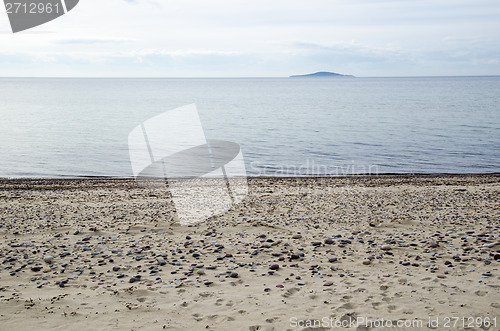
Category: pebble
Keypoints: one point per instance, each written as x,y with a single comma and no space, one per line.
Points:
385,247
134,279
367,262
297,236
48,259
233,275
274,267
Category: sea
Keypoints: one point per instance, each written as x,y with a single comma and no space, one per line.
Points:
79,127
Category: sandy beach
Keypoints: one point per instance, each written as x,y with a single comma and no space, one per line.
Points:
296,254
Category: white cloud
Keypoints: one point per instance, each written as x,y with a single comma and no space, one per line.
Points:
240,37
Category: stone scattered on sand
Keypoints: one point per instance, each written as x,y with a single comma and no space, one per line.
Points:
48,259
297,256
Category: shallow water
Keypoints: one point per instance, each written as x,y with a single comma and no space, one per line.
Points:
80,127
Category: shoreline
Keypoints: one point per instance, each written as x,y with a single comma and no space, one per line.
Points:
353,176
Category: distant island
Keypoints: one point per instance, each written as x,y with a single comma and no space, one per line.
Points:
321,74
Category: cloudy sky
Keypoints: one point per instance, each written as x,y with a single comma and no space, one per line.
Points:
249,38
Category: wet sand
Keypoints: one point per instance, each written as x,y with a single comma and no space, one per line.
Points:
106,254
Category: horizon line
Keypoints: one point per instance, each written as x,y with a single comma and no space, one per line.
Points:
237,77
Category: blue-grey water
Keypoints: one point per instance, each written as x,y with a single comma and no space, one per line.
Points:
79,127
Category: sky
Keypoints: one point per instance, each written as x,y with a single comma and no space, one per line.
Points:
258,38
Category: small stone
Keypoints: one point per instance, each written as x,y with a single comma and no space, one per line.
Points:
36,269
48,259
233,275
367,262
329,241
274,267
332,259
496,257
295,257
116,268
200,272
280,286
328,284
76,232
297,236
486,274
386,247
208,283
134,279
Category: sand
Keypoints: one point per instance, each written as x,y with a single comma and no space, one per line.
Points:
296,254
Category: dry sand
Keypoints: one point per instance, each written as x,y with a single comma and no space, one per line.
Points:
102,254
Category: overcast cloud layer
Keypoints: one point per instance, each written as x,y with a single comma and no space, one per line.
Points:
228,38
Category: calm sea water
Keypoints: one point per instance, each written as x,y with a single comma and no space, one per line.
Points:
80,127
